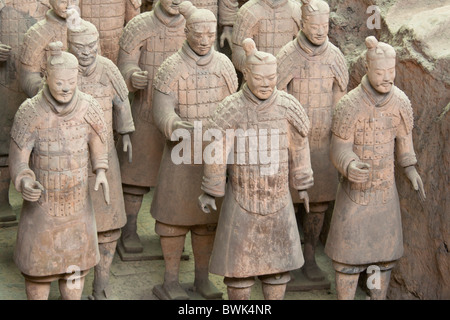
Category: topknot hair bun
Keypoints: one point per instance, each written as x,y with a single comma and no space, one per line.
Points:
249,46
187,9
371,42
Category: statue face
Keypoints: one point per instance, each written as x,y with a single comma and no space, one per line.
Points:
261,79
171,7
315,28
85,48
381,74
62,83
60,7
201,37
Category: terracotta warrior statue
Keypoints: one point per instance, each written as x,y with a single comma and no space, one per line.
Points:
270,23
257,233
100,78
314,71
187,89
147,41
35,51
54,136
371,123
16,17
109,17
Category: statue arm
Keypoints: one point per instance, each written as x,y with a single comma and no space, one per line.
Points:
18,165
342,154
128,64
299,160
30,80
164,113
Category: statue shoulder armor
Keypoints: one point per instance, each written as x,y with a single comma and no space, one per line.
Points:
295,113
35,41
169,72
228,72
94,116
25,120
405,109
113,75
345,114
245,21
228,113
137,30
339,67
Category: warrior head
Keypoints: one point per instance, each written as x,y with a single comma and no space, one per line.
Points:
260,70
201,25
315,20
82,38
60,7
171,7
61,73
380,64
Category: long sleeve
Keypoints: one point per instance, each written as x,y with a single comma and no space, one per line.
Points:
227,12
404,148
342,153
123,119
301,174
164,114
18,164
128,63
215,173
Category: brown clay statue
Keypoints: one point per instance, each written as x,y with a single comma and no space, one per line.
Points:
257,233
187,89
270,23
100,78
15,19
147,41
34,51
54,136
314,71
109,17
372,122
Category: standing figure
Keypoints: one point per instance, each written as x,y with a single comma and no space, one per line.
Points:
257,233
147,41
16,17
35,51
54,136
109,17
187,89
100,78
270,23
314,71
371,123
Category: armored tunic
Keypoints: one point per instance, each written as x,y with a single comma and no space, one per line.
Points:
257,232
35,50
196,85
271,24
16,17
366,223
103,81
59,229
109,17
147,41
311,74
